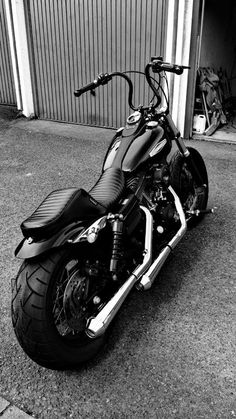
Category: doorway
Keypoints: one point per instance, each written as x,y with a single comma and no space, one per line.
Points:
216,99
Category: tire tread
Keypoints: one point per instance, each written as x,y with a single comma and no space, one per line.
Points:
34,331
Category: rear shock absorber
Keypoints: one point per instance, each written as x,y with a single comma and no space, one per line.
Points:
117,244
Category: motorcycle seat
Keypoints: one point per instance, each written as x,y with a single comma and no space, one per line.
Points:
109,187
65,206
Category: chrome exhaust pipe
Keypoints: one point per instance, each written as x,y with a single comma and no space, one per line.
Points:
98,325
149,277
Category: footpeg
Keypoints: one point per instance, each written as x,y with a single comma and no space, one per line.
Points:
199,212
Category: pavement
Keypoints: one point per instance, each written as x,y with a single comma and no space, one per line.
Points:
171,352
9,411
7,408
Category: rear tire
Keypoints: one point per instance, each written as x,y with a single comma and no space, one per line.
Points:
33,315
193,196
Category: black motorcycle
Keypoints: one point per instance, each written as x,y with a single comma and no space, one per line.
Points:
85,251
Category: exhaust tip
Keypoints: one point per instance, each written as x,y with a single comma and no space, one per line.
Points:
90,334
145,282
94,328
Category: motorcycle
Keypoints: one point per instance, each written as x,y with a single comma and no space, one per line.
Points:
85,251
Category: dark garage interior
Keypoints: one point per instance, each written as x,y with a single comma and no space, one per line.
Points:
216,79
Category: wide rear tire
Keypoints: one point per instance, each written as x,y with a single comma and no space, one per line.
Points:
34,314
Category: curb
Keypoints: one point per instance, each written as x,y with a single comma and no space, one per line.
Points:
214,139
9,411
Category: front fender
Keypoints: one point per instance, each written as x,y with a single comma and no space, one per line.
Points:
28,249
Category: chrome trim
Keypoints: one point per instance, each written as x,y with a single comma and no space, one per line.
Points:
98,325
186,153
182,147
119,130
158,147
149,277
95,228
147,244
182,217
134,118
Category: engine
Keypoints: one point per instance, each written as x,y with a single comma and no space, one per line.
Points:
160,200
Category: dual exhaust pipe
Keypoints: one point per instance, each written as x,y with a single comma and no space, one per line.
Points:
143,276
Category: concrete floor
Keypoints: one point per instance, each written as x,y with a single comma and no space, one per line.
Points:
171,353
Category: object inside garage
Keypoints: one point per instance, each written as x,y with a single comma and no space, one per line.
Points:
215,95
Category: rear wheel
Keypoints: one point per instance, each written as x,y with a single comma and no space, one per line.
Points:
52,301
193,195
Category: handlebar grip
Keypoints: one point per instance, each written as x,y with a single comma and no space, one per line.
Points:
87,88
160,65
172,68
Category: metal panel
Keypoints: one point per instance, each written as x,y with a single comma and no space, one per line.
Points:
74,40
7,89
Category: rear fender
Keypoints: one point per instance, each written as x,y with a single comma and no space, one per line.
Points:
71,235
28,248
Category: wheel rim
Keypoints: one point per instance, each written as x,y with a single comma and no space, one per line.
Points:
61,288
75,296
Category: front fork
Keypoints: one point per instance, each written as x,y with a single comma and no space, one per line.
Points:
184,150
191,164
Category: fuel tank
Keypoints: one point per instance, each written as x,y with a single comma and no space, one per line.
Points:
136,144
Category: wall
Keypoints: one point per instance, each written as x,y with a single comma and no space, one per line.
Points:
219,38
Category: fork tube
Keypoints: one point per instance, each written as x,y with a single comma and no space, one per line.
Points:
176,136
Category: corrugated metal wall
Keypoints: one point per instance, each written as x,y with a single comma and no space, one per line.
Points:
7,89
74,40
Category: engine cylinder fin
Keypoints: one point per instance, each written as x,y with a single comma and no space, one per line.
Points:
132,182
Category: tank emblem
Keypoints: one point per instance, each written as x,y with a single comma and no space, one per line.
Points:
158,147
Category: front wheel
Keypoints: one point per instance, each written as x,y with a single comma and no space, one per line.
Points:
193,195
52,301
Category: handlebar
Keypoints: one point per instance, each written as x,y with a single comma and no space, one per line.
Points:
103,79
157,65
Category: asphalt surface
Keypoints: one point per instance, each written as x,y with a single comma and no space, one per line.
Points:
171,352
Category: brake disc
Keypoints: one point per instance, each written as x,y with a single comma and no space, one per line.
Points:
74,301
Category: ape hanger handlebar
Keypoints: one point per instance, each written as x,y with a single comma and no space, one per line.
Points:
103,79
157,65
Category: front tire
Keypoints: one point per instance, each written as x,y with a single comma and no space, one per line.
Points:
38,315
193,196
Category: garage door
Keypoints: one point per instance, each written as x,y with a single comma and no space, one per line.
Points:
7,90
73,41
